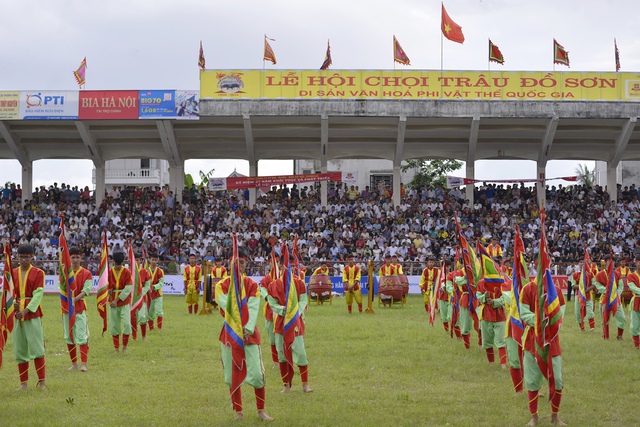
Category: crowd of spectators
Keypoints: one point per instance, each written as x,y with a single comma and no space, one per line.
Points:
359,223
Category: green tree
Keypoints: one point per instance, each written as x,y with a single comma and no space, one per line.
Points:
586,177
204,179
430,172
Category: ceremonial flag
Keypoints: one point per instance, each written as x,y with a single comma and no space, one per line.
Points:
472,267
398,53
560,55
235,317
291,313
450,29
520,278
615,45
494,53
268,52
492,273
611,295
81,72
136,293
66,276
586,275
103,282
548,316
201,62
6,301
327,58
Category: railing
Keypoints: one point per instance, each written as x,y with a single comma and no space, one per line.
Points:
151,176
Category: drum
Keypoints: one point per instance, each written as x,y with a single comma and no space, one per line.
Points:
320,287
626,293
404,281
390,287
210,288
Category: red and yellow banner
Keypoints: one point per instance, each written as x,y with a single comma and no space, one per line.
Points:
379,84
241,182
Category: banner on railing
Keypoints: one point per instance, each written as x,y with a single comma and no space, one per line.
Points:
454,181
241,182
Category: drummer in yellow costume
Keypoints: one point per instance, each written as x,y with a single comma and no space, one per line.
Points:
322,270
388,269
218,271
351,281
192,277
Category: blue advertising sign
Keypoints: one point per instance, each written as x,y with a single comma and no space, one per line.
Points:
48,105
157,104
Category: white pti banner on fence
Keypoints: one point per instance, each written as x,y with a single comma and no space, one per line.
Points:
174,284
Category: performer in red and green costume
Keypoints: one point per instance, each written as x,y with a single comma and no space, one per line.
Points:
294,348
492,323
141,316
601,282
268,312
27,336
255,370
155,292
119,314
465,319
633,280
82,283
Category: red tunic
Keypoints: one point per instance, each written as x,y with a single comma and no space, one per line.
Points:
389,270
81,276
276,290
633,277
490,313
117,282
603,278
34,280
155,278
529,296
252,290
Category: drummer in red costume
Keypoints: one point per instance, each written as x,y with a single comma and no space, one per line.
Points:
351,280
192,277
494,249
218,271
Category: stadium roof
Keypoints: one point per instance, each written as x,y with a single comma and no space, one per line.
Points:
344,129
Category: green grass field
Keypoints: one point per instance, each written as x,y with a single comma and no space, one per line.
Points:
388,368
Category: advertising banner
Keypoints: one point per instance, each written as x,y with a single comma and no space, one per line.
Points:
157,104
10,105
187,105
425,84
48,105
108,105
235,183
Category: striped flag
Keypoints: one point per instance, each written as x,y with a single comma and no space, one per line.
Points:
472,267
327,58
81,72
235,317
586,276
103,282
520,278
492,273
269,55
292,313
201,62
136,293
548,316
611,300
67,277
6,301
398,53
437,284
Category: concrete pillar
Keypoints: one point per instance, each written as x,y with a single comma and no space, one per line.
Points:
541,185
176,181
396,186
323,185
253,192
612,185
471,174
27,181
100,184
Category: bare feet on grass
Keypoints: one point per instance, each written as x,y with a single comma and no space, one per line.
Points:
557,421
41,385
73,367
264,417
239,416
306,388
23,386
84,368
286,389
534,420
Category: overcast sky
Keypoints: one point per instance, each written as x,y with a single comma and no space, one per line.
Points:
153,44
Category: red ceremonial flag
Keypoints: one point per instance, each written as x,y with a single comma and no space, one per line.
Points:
494,53
103,282
520,278
268,52
80,73
398,53
615,45
292,312
327,58
201,62
547,311
6,304
67,277
438,283
450,29
560,55
611,300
